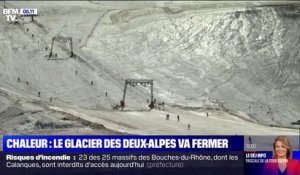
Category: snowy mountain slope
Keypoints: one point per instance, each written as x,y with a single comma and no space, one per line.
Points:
239,64
248,59
154,122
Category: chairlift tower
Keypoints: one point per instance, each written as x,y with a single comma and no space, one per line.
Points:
61,39
135,82
30,15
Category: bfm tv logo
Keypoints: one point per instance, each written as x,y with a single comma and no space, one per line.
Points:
11,14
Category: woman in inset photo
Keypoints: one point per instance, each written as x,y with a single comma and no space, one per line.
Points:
282,162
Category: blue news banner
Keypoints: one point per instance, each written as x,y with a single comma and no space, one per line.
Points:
62,154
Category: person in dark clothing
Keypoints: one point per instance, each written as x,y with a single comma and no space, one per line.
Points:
167,117
39,95
178,119
18,79
189,127
151,105
92,83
